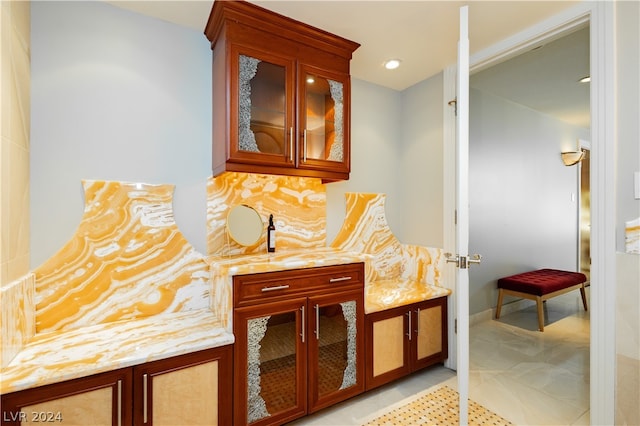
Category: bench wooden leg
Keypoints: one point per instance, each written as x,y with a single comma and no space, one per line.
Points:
499,306
540,313
584,297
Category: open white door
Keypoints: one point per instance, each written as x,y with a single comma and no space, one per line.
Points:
461,259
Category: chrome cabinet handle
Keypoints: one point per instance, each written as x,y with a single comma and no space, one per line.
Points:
408,314
274,288
335,280
291,143
145,379
304,146
119,402
317,322
302,328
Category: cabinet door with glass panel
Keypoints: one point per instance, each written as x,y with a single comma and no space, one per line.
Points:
270,359
323,108
336,348
262,116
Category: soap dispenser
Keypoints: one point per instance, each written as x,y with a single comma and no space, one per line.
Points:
271,235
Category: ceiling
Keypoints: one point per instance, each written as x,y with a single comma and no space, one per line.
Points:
423,35
545,79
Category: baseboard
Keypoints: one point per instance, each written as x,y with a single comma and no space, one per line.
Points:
507,308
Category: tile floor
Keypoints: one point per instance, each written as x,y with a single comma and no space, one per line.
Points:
525,376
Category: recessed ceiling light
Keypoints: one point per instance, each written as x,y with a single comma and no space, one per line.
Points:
392,64
586,79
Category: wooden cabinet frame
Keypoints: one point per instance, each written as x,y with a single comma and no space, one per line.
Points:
239,27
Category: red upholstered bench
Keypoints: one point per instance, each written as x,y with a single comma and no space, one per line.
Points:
541,285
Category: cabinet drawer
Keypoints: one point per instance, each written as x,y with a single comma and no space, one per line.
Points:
255,288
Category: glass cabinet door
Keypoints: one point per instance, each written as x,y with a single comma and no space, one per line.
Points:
270,343
324,120
265,109
336,357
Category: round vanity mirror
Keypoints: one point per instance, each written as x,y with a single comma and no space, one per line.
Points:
244,225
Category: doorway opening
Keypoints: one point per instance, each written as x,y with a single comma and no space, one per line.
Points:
600,17
525,212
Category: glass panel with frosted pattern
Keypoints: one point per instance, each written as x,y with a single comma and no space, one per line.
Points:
262,106
324,132
271,365
336,347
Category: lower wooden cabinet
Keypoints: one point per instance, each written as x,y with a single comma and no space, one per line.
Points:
299,342
402,340
189,389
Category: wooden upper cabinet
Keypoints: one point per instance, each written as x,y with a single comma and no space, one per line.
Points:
281,94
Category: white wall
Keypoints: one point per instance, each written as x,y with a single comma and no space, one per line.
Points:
522,203
421,166
115,96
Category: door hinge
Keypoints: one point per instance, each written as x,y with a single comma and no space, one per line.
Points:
454,104
455,326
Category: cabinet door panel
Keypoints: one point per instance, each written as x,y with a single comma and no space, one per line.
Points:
184,389
270,362
388,345
93,406
262,121
336,348
429,343
324,120
173,396
430,319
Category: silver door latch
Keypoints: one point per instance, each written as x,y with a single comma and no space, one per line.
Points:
463,262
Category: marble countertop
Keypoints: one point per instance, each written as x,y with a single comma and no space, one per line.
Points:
104,347
58,356
387,294
283,260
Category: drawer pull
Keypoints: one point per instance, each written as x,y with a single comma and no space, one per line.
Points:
274,288
336,280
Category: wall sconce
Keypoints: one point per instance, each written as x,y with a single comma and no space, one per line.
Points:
570,158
